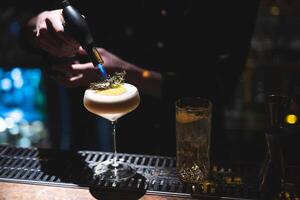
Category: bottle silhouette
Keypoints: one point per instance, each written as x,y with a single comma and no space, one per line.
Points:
272,174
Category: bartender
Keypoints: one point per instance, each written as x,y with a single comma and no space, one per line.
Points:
169,49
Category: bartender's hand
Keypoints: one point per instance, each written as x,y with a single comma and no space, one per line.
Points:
82,74
49,34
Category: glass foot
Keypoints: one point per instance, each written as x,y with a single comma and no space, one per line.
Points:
108,170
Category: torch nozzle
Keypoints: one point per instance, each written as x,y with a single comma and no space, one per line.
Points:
97,55
96,58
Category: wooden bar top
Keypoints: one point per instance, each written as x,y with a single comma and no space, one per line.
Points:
20,191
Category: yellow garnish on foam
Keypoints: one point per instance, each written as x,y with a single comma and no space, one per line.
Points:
113,91
184,117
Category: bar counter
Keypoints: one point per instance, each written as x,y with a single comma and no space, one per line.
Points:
16,191
33,173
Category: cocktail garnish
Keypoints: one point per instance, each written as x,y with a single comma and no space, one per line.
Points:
110,82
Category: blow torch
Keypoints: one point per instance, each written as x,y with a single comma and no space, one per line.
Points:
78,28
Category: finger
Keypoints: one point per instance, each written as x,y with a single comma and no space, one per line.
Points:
40,26
71,81
81,51
56,23
82,67
74,68
76,77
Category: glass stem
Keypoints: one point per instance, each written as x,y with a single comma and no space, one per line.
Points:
114,123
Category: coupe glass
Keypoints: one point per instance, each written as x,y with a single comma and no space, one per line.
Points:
112,104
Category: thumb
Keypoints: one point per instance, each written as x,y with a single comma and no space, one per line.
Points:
81,51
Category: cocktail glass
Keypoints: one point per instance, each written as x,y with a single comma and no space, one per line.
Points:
112,104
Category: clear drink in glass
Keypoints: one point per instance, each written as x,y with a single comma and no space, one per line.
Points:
193,127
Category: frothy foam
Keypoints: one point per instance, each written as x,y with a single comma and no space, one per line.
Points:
96,96
112,103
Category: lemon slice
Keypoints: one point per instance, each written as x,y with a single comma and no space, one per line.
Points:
184,117
113,91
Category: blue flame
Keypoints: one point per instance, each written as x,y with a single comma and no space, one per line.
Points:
102,70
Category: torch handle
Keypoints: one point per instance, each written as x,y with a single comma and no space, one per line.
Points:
78,28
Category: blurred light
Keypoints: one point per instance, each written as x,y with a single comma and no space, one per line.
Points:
6,84
37,126
21,105
16,73
15,130
24,142
291,119
9,122
33,77
128,31
18,83
2,125
15,28
25,129
160,44
164,12
146,74
275,11
16,115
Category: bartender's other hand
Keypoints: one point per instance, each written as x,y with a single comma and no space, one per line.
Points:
112,63
50,35
82,74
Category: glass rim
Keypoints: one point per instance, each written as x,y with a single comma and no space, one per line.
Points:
206,103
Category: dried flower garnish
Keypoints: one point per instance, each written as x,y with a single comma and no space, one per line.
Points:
111,82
